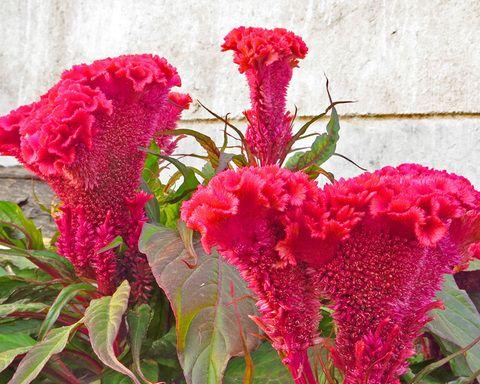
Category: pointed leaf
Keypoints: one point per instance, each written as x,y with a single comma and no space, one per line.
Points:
16,229
103,319
152,208
34,361
268,368
321,150
205,141
63,298
138,321
48,261
12,345
459,323
21,306
208,334
189,184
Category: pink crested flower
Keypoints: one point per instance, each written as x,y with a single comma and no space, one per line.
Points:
176,104
264,221
83,137
267,57
413,226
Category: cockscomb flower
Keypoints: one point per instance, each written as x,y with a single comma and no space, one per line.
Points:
266,222
83,138
267,57
413,226
176,103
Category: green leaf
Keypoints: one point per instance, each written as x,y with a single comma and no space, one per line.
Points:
14,260
205,141
12,345
113,377
34,361
52,262
8,284
151,171
208,333
103,319
116,242
16,229
190,181
164,352
459,323
170,214
437,364
21,306
208,171
48,261
11,325
474,265
63,298
152,208
321,150
268,368
138,321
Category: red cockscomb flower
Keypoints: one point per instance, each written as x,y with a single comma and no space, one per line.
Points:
83,138
414,225
267,58
267,222
177,102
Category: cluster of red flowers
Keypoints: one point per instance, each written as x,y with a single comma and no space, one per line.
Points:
83,137
267,58
377,245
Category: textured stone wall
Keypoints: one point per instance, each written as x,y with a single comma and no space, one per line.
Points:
413,67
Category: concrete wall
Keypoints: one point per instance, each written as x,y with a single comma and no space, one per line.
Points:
413,66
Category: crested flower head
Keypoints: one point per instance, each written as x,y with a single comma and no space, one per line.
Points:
267,58
266,221
413,225
83,137
255,48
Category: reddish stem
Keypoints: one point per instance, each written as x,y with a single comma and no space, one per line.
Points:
300,368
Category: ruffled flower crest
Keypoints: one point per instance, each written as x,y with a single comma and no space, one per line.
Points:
83,138
268,222
413,225
267,57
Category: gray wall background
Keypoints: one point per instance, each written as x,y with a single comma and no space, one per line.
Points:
412,66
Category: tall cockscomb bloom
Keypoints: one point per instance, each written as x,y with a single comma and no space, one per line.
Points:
413,226
266,222
83,138
267,58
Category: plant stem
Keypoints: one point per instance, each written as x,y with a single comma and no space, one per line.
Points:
300,368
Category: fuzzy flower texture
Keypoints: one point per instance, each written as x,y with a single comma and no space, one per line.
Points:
264,221
83,137
414,225
376,246
267,57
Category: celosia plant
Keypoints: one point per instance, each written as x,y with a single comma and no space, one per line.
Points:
267,57
367,254
377,246
83,137
264,221
414,225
